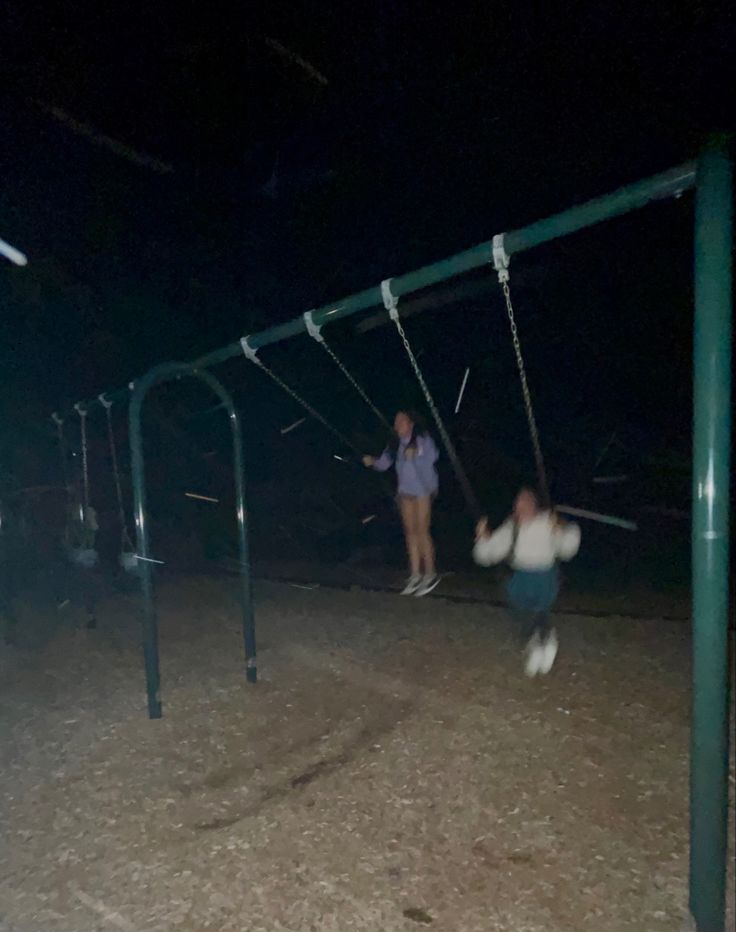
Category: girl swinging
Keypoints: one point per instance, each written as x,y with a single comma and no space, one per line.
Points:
532,540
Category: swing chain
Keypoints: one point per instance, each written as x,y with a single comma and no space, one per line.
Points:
59,421
125,536
315,332
353,381
531,419
251,354
82,412
391,305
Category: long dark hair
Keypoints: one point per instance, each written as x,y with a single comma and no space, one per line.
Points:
541,501
418,430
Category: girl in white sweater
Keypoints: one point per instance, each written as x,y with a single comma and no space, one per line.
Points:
532,540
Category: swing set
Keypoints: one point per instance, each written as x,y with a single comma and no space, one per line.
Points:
711,176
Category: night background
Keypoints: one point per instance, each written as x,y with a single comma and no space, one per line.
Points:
276,160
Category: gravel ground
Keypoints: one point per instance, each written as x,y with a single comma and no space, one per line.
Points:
392,770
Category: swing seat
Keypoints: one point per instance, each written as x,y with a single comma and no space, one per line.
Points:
83,556
129,562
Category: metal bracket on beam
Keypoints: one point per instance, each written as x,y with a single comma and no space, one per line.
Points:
390,301
313,329
501,258
249,352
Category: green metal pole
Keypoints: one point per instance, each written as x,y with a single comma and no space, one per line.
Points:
140,513
710,537
631,197
246,589
164,373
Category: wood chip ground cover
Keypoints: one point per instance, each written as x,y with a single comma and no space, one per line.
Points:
392,770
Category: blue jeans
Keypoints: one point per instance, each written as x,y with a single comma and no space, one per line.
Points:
531,595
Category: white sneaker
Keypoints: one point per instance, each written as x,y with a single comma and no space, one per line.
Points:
413,583
534,656
549,652
427,584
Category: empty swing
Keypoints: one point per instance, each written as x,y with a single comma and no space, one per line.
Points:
128,558
81,518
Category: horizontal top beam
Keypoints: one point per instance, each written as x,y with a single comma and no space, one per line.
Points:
671,183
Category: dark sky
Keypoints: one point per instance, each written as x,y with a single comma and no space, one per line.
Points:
297,152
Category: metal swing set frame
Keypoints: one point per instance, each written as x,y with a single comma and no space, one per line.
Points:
711,177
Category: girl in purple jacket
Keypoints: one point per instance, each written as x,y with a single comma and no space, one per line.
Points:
414,454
